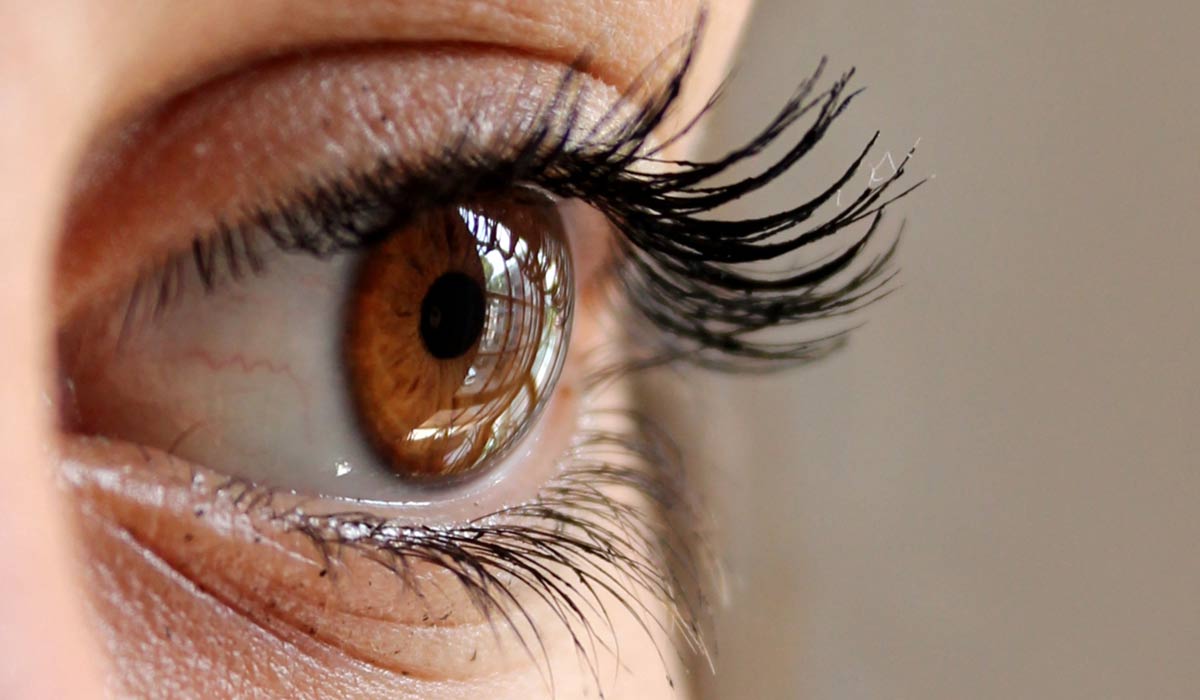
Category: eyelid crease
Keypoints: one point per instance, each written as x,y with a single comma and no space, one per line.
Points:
554,29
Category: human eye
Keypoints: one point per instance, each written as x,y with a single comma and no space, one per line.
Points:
345,341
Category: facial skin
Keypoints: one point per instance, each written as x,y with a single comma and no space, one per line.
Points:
72,71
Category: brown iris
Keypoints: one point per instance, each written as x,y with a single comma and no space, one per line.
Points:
457,326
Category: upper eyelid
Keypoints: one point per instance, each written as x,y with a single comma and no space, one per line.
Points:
224,37
686,262
126,201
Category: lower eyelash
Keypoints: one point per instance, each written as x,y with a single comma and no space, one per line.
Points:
559,547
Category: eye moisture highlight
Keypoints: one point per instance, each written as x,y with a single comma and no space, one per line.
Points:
388,349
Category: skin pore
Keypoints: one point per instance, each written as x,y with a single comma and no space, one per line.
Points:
86,606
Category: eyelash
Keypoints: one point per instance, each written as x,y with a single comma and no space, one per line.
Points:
691,278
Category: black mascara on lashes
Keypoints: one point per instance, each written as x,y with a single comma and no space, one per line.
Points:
690,276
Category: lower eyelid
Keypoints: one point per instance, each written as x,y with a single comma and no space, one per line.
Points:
278,578
402,615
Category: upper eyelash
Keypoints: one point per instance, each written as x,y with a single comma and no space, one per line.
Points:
694,278
691,277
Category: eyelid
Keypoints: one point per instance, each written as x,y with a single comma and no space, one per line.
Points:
149,191
225,36
275,575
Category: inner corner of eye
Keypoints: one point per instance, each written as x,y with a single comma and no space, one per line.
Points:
420,361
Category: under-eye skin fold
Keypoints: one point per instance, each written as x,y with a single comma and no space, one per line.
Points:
463,324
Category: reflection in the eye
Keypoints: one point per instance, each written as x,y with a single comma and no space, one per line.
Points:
458,329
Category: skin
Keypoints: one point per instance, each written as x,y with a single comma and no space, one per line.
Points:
115,617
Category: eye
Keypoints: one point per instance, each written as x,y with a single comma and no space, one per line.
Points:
420,359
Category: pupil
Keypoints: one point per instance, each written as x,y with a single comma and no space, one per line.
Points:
452,315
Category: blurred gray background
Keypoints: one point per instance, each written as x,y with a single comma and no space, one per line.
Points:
995,491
